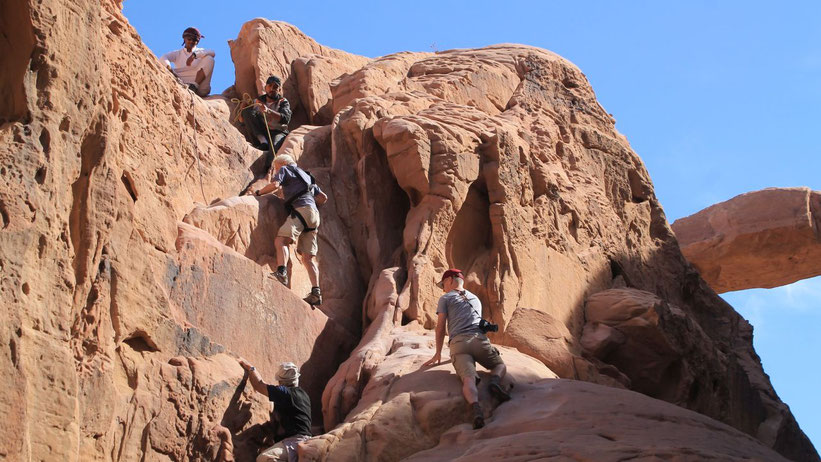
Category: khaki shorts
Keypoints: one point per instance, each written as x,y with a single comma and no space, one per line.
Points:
292,229
467,348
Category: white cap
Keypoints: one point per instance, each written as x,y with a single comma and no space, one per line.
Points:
288,374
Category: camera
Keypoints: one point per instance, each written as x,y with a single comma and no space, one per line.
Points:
487,326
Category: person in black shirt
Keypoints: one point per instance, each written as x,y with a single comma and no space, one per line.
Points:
292,410
277,113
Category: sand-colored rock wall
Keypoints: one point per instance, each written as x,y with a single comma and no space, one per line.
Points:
133,275
102,154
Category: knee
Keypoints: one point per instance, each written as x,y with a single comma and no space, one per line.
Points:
207,64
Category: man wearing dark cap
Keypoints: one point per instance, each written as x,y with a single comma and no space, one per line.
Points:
192,65
462,311
273,108
292,410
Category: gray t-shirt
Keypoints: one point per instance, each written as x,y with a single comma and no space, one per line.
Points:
293,180
463,312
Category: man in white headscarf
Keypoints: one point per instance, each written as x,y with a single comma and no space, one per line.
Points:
292,410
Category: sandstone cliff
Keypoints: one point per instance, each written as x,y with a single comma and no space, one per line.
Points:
132,274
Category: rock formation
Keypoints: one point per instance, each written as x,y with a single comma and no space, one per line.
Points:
133,275
766,238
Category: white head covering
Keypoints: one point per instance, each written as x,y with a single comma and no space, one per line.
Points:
288,375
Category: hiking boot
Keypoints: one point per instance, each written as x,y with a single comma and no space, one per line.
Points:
478,416
281,275
497,390
314,298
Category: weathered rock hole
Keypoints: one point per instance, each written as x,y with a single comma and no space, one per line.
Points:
65,124
129,185
471,233
141,342
616,270
40,175
570,83
45,142
638,190
116,28
15,358
16,46
4,214
26,288
41,246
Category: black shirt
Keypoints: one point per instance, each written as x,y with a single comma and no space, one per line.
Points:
283,107
292,407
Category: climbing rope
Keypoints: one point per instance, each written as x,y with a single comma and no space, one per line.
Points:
196,148
247,101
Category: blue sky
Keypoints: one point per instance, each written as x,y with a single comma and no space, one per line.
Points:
717,101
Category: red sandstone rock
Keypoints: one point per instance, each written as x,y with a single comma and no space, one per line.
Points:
547,339
499,161
265,48
577,423
766,238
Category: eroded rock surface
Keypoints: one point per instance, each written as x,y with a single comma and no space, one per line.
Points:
121,343
133,275
265,48
527,187
766,239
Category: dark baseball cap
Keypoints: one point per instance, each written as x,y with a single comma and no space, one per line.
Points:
273,79
193,32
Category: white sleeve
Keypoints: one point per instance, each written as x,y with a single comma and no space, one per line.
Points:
169,57
204,52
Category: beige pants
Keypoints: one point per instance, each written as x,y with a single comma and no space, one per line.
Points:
467,349
292,228
284,451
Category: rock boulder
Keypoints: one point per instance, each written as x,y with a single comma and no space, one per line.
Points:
766,239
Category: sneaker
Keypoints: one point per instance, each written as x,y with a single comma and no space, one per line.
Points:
314,298
497,390
281,276
478,416
193,87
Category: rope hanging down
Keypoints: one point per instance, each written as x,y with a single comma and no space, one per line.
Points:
247,101
196,148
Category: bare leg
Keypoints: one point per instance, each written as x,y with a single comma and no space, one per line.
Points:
469,390
281,244
313,269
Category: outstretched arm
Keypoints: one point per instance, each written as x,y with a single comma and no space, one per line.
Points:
256,380
273,186
440,341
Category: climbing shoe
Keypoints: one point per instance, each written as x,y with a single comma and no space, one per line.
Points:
281,274
497,390
314,298
478,416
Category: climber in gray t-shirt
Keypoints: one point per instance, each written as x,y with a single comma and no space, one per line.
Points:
463,312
